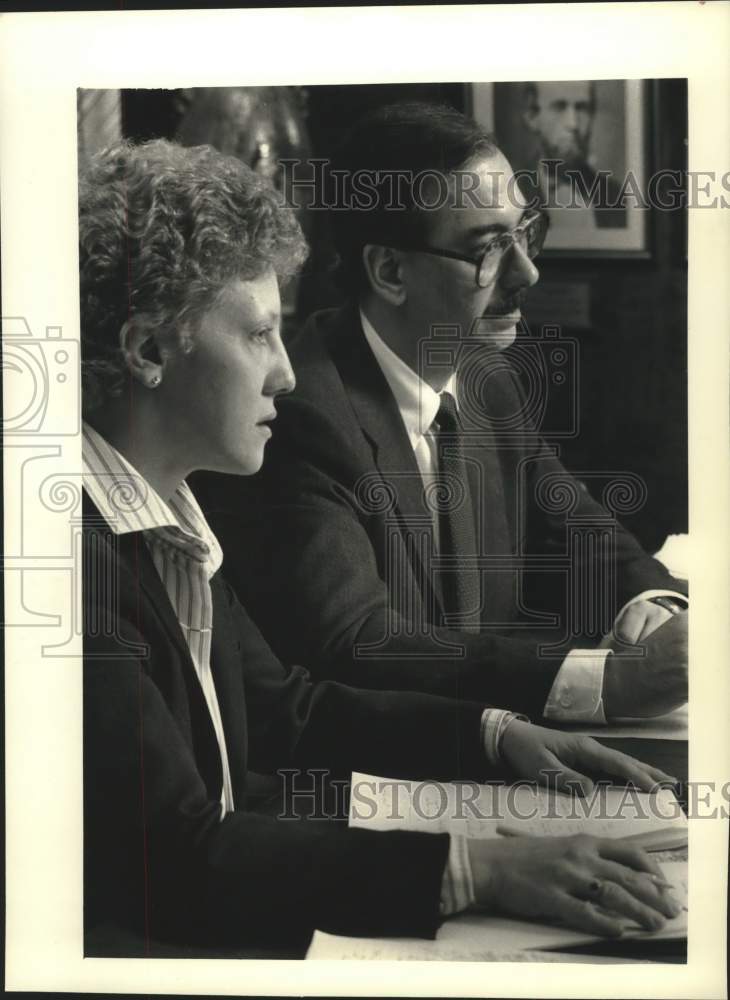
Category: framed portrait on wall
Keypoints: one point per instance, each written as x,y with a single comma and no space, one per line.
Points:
579,149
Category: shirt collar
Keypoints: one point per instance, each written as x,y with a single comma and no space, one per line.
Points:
417,402
128,503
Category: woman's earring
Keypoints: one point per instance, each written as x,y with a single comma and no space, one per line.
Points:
154,381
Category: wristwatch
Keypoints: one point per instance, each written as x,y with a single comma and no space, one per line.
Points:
667,602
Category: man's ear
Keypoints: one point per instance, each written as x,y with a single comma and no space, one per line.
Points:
385,274
141,352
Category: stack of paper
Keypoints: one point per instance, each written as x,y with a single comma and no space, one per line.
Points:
379,803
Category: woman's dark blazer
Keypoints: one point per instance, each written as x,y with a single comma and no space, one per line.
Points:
158,858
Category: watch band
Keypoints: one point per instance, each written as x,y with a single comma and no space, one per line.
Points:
668,603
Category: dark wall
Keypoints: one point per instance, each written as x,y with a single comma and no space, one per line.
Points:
631,351
633,354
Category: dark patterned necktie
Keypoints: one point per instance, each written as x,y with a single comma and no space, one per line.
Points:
460,581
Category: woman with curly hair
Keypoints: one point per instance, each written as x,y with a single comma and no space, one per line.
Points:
181,254
172,241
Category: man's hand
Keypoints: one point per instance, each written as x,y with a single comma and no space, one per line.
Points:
637,621
653,684
589,883
536,754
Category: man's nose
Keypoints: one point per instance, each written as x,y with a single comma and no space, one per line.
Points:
519,271
281,378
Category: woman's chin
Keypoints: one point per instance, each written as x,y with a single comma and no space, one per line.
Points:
247,464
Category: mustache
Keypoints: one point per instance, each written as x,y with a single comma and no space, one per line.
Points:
504,306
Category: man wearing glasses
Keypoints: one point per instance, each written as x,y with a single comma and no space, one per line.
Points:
406,493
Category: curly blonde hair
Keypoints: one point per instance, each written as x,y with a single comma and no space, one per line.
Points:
162,228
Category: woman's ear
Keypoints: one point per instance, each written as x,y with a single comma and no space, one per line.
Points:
385,274
141,353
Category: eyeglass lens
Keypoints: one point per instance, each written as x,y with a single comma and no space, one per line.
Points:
529,236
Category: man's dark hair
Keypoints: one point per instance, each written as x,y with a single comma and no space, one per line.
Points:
394,145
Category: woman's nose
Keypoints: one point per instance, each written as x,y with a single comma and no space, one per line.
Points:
281,377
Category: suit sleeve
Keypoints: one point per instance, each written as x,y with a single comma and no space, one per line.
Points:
295,722
159,858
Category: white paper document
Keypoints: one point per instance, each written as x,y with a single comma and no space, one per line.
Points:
475,810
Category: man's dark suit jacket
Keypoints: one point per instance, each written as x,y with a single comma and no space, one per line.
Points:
322,545
159,861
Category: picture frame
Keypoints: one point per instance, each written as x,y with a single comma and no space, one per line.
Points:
581,151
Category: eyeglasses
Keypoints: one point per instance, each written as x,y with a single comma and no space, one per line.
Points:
528,235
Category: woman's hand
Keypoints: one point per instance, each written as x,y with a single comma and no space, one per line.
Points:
536,754
591,884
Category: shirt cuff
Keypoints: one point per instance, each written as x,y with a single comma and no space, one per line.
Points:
647,595
577,691
457,886
494,722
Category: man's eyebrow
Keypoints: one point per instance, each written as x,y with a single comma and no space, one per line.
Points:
476,232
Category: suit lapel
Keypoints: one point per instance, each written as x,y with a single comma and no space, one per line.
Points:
159,602
130,558
207,751
382,425
227,674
